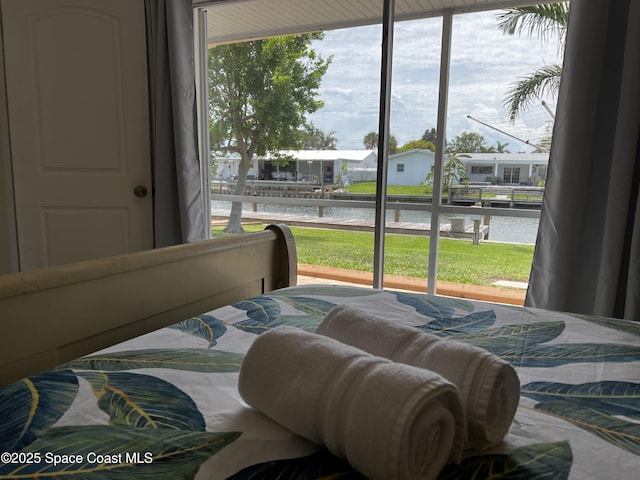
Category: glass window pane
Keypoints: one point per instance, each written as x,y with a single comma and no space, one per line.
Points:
318,179
414,106
503,159
299,179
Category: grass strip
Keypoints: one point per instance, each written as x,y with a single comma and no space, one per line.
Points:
370,188
459,260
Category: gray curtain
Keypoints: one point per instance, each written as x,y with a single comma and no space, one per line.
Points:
178,208
587,256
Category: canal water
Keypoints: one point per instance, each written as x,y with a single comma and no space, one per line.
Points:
502,229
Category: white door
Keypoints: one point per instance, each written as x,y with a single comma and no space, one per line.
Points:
76,73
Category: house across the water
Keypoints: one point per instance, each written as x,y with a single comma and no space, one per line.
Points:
345,167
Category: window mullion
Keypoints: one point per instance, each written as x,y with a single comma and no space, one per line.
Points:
202,91
383,144
443,95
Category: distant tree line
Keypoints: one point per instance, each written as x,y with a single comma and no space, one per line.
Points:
466,142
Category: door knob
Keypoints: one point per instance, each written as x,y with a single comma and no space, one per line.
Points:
140,191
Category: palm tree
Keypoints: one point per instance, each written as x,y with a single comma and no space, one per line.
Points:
541,20
312,138
370,142
501,147
327,141
453,171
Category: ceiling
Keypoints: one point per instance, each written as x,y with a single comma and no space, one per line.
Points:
239,20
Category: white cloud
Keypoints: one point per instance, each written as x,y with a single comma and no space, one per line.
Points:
484,64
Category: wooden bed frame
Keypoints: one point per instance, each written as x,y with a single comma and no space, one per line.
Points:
57,314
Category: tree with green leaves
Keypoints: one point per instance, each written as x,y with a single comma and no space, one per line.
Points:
259,94
540,20
417,145
468,142
430,135
370,142
453,171
312,138
543,146
501,147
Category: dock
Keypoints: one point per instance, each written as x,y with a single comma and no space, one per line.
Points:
218,217
496,196
500,196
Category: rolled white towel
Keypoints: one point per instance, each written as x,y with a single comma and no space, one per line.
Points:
390,421
489,387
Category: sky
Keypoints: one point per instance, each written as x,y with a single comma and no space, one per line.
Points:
484,64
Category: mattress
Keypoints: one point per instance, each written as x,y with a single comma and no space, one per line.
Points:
166,404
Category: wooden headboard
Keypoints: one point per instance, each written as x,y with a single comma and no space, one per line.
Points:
57,314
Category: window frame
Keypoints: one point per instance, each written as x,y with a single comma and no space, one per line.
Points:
437,208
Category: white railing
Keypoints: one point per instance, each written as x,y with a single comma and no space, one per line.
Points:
321,203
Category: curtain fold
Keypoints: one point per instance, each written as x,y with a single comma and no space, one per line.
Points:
178,208
587,256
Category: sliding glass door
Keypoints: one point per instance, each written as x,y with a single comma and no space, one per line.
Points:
304,146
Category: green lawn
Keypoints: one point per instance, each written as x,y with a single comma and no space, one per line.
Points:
370,188
460,260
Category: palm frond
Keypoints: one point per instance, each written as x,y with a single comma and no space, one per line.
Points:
545,80
539,20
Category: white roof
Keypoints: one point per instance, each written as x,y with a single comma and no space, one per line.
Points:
415,152
314,155
350,155
539,158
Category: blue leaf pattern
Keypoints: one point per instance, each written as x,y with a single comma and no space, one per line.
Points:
551,461
260,309
311,306
428,305
319,465
563,354
470,323
617,431
187,359
265,313
203,326
29,407
156,410
143,401
157,454
610,397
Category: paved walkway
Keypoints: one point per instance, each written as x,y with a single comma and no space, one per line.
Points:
314,274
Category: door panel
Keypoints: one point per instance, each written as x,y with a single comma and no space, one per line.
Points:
103,228
78,119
